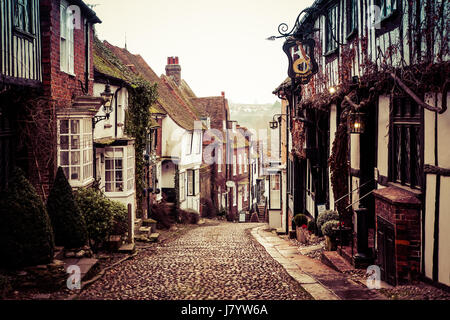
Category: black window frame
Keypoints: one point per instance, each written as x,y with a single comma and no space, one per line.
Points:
331,45
406,143
24,25
352,18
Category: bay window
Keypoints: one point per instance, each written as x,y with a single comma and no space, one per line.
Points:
130,168
75,151
114,165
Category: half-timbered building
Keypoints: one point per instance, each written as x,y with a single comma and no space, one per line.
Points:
370,130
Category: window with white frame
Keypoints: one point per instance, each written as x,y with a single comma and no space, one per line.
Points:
245,162
190,138
197,182
182,183
75,152
66,39
240,163
130,168
199,142
114,166
234,165
190,182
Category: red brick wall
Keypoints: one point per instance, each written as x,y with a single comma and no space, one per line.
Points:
403,211
60,85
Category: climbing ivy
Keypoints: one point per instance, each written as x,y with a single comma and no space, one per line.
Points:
142,95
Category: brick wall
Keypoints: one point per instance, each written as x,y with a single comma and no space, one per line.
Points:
402,210
60,85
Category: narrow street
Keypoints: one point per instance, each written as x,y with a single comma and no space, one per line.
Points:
220,261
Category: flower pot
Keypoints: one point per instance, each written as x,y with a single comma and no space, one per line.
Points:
302,235
330,243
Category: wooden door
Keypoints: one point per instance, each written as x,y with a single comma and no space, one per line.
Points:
386,250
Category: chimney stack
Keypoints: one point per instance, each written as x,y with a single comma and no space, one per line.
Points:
173,69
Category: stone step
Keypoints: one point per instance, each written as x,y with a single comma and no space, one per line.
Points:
137,223
87,266
154,237
145,230
127,248
335,261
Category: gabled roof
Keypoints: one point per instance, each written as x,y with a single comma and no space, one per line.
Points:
172,103
214,107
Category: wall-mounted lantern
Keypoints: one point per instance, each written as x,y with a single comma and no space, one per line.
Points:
107,96
273,125
357,122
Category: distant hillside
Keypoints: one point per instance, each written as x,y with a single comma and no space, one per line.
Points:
254,116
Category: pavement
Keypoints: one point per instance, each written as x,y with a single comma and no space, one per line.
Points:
220,261
319,280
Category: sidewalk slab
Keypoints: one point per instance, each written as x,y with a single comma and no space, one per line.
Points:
318,279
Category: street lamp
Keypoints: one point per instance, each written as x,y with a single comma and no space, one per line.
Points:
357,123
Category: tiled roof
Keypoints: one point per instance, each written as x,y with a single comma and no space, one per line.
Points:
213,107
182,114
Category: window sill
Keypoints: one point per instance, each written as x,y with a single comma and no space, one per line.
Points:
352,34
331,52
120,194
24,34
68,73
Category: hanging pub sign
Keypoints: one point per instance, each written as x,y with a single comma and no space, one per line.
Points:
302,65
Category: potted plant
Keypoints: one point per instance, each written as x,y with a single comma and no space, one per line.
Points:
301,222
329,230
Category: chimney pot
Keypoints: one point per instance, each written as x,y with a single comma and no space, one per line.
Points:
176,60
223,94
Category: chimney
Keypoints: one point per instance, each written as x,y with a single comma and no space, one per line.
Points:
173,69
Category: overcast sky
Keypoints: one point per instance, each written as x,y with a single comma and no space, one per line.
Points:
220,44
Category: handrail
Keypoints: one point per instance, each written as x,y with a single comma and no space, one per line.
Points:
353,191
366,195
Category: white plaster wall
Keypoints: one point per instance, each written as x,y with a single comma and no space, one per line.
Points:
383,135
429,225
172,138
444,232
444,135
122,98
333,129
167,175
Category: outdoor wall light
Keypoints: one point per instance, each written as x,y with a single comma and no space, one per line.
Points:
107,96
273,125
357,124
332,90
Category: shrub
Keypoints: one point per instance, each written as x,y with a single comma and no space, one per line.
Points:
326,216
189,216
26,235
328,228
231,216
120,218
208,209
222,212
300,220
312,226
67,221
98,215
161,212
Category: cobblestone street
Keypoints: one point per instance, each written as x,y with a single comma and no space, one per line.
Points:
219,261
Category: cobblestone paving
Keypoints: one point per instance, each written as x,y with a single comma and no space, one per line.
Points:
209,262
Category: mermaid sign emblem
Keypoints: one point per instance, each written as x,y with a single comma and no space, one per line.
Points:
302,65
